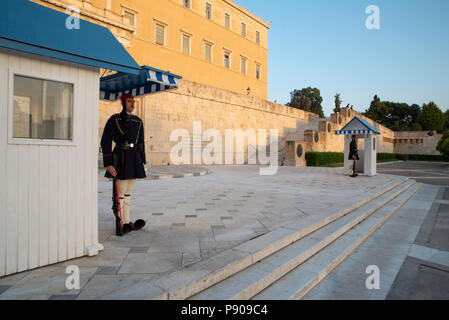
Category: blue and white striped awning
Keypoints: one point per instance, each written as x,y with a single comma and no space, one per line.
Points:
353,131
352,127
150,80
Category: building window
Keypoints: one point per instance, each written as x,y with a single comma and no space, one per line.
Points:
185,44
243,65
227,21
160,34
208,52
129,18
227,60
186,4
243,29
258,37
208,11
42,109
258,71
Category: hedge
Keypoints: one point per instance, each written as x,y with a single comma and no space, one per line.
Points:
427,157
315,159
386,156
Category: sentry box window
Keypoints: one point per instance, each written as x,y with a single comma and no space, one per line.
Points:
42,109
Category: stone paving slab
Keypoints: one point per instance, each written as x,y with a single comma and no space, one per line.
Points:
186,227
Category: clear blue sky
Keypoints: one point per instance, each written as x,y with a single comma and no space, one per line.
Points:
325,44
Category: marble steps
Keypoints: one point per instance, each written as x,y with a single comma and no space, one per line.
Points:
282,238
296,284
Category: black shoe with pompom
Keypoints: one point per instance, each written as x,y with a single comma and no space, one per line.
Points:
127,228
138,224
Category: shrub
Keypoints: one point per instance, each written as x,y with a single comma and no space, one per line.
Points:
403,157
315,159
427,157
386,156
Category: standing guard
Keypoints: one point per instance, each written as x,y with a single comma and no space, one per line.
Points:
353,155
126,162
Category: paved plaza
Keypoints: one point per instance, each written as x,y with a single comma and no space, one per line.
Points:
189,220
436,173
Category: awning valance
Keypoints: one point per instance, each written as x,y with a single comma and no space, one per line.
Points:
358,126
149,80
353,132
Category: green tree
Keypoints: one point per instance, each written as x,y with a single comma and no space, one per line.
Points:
431,117
337,102
308,99
416,127
395,116
378,111
443,144
446,122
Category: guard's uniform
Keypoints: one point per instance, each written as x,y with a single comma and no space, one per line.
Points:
128,157
353,151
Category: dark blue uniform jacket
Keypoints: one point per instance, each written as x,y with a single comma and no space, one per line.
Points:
124,129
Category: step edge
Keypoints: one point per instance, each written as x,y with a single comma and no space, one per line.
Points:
304,256
336,262
179,293
280,271
298,234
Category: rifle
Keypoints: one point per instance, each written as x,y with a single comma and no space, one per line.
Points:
116,208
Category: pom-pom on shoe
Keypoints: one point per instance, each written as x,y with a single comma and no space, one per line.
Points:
138,224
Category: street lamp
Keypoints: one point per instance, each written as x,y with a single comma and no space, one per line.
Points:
248,90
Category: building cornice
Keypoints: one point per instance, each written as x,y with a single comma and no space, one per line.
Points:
247,13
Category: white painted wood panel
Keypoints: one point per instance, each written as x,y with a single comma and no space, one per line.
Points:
48,191
23,206
12,188
34,207
44,164
62,202
81,162
3,158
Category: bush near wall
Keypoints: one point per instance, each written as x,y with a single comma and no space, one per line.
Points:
427,157
414,157
315,159
386,156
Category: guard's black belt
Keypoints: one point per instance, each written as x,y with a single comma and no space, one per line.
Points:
130,146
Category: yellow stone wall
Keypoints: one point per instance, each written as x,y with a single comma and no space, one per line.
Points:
215,108
139,40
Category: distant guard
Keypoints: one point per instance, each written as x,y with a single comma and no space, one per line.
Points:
353,155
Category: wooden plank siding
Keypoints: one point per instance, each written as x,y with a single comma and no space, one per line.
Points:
48,191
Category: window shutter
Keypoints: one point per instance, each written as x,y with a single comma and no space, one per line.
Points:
185,44
257,71
243,66
208,52
227,21
208,11
159,34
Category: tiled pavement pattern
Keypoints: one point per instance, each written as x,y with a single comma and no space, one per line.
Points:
191,219
436,173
